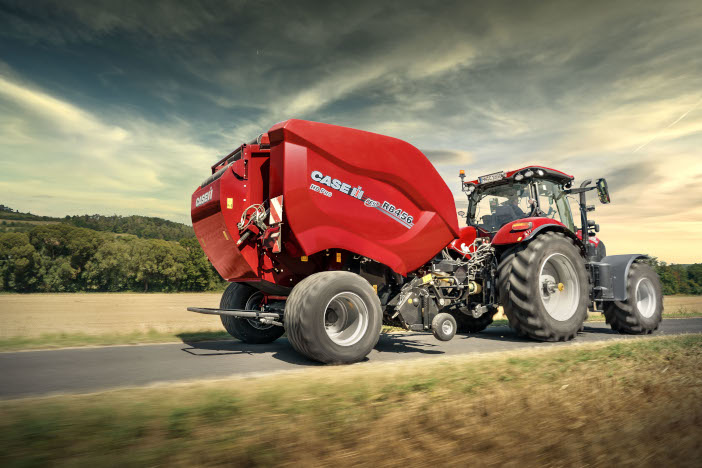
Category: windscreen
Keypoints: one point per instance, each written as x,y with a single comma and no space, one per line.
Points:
492,208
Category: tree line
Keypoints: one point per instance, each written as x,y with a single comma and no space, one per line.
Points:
65,258
141,226
679,279
61,257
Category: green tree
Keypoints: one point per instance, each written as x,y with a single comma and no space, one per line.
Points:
200,275
20,263
110,269
159,264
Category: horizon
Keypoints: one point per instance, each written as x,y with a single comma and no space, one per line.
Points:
122,108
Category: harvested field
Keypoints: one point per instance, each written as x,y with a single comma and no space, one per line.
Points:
55,320
33,315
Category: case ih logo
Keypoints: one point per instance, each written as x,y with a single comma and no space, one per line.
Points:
386,208
204,198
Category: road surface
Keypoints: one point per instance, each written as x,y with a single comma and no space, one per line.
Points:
83,370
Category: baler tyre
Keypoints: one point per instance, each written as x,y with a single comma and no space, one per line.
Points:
470,324
444,326
544,288
242,296
333,317
642,312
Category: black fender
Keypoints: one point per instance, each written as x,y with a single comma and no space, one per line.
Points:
613,273
556,228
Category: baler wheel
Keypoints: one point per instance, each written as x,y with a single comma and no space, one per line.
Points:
333,317
544,288
642,312
242,296
444,326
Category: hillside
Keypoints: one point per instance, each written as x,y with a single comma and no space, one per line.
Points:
145,227
100,253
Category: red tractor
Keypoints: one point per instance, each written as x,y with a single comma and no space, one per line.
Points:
328,232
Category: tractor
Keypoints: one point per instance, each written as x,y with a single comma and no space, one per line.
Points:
327,233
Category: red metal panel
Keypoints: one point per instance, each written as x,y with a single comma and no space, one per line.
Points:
506,235
344,189
342,186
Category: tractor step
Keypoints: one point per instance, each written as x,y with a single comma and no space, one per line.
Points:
237,313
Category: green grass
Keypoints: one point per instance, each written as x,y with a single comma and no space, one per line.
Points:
624,403
66,340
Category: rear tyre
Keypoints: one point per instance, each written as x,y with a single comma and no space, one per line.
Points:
444,326
642,312
242,296
333,317
544,288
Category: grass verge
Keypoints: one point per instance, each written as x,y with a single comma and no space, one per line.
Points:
67,340
632,402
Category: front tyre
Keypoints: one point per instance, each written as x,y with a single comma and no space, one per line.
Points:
242,296
642,312
333,317
444,326
544,288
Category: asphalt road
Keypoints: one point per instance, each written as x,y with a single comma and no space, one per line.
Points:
83,370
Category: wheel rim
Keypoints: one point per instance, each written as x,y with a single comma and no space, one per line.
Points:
559,287
254,303
346,319
645,297
447,327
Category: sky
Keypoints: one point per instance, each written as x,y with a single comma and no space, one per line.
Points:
120,107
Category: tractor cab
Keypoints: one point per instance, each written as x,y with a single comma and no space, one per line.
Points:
497,199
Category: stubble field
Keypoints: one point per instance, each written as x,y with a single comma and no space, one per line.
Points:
58,320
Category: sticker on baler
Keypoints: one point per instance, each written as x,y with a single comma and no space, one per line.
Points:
396,213
204,198
276,210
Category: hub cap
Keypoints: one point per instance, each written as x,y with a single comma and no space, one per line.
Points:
447,327
559,287
254,303
645,297
346,319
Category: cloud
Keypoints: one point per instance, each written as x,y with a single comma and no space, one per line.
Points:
133,100
72,160
448,157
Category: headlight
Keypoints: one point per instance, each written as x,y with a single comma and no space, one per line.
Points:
518,177
529,173
540,172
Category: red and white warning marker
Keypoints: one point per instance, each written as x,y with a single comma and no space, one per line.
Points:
276,210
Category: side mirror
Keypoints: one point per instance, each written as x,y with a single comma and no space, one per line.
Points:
603,191
461,214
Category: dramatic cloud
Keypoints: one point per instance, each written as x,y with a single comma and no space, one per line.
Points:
122,106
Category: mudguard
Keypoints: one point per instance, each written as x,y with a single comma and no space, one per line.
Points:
618,266
508,235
